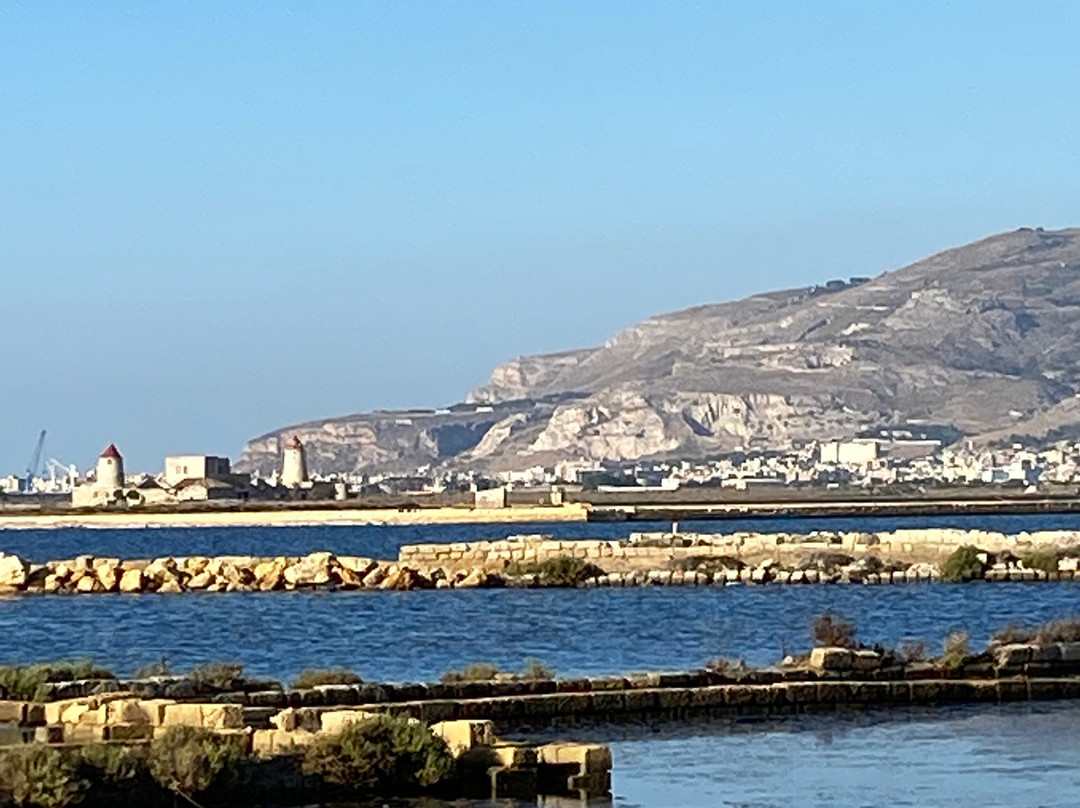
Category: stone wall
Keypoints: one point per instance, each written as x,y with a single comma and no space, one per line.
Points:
644,559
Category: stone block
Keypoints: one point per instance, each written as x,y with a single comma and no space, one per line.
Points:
154,710
588,757
1069,651
85,733
831,659
12,712
1012,655
865,661
334,721
463,735
609,702
12,735
1045,689
186,715
513,784
130,732
35,714
49,733
1012,689
222,716
512,755
1046,653
126,711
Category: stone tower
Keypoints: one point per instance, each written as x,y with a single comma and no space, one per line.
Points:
110,470
294,464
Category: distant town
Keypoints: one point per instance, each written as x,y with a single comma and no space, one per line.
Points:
899,458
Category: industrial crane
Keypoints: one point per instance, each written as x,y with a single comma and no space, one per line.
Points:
35,462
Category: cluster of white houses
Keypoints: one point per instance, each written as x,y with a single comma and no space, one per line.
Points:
193,478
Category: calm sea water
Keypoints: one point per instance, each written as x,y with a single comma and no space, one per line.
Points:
1017,755
383,541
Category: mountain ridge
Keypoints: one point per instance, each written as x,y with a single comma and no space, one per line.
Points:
978,337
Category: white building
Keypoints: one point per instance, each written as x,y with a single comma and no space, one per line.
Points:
194,467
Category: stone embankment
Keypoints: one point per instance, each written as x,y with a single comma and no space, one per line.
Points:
270,719
661,559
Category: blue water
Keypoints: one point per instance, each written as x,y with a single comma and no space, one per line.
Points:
1022,755
410,636
1017,755
383,541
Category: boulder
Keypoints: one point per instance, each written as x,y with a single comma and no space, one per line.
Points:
131,581
13,571
312,570
107,576
200,580
375,577
270,580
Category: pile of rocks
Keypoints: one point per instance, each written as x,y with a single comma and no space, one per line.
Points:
87,575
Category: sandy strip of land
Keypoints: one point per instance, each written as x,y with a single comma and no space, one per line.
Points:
297,518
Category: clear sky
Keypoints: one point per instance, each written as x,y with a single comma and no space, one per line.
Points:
218,218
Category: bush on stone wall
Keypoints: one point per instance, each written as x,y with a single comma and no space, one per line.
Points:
957,651
384,756
218,677
190,760
159,668
1045,560
1064,630
963,565
475,672
536,671
115,767
828,631
27,682
40,776
332,676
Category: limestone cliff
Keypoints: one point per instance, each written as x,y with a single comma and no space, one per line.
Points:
980,337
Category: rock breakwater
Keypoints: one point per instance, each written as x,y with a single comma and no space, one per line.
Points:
644,559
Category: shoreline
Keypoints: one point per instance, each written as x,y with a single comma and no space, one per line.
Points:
307,517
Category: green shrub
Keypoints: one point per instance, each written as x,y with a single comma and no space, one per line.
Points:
332,676
159,668
1012,633
385,756
38,775
189,760
963,565
957,650
829,631
476,672
566,571
1063,630
558,571
1045,560
217,676
536,671
27,682
114,765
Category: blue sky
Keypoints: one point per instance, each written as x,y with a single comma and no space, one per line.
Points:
221,218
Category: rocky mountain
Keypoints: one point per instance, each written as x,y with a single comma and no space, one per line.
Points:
981,338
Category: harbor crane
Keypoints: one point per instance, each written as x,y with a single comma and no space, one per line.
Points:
35,462
61,475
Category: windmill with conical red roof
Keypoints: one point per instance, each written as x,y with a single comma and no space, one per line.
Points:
110,470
